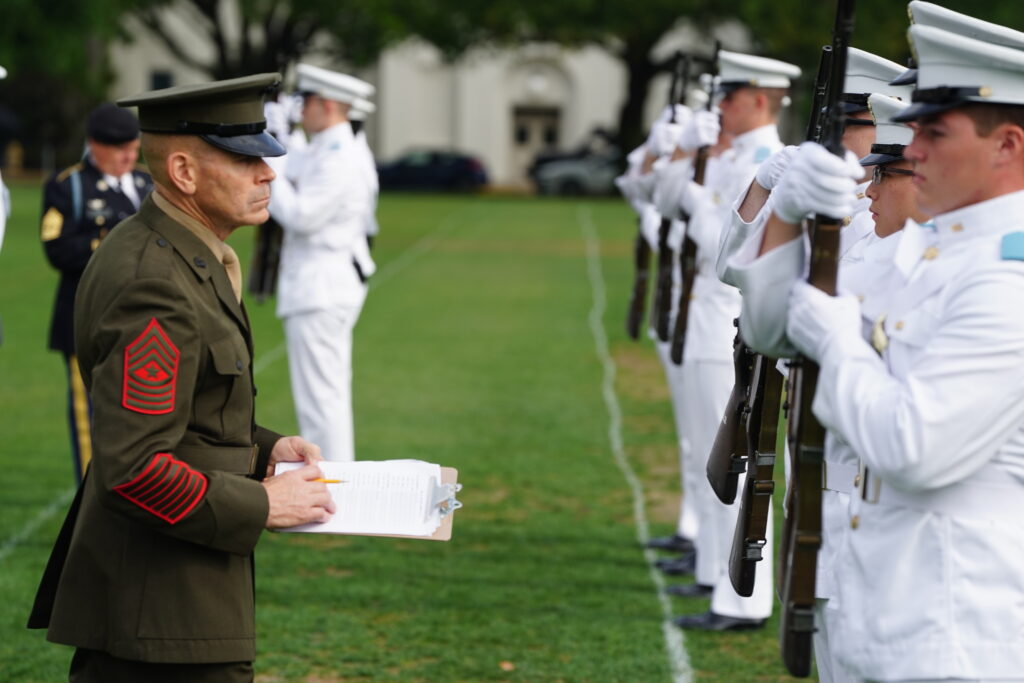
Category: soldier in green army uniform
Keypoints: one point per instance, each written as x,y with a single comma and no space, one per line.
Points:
151,578
81,205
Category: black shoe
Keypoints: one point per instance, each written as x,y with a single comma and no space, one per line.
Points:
709,621
675,543
690,590
680,566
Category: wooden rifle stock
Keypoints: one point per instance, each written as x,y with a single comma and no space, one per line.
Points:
801,538
751,534
688,253
638,297
728,457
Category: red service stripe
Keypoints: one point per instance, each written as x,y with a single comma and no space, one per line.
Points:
150,477
195,488
172,486
163,476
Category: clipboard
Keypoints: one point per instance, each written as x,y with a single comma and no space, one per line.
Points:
449,475
441,495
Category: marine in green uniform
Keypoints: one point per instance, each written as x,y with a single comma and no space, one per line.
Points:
151,578
81,205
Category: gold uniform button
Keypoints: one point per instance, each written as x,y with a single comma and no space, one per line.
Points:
899,325
855,521
856,482
100,220
847,220
931,253
957,227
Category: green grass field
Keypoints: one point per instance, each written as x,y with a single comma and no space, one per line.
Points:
474,350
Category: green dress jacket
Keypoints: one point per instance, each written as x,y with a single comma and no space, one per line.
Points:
156,565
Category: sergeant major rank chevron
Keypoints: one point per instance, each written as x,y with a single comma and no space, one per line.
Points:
150,372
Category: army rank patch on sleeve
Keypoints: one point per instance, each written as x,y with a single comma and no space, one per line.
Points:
53,223
150,372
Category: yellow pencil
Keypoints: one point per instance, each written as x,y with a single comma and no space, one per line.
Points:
331,481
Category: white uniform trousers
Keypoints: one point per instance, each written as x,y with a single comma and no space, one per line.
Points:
691,471
707,385
829,669
320,364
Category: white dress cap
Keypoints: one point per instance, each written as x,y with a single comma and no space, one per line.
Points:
332,85
890,137
929,14
736,70
953,70
867,73
361,109
3,72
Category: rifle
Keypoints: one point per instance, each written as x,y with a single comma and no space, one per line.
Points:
266,258
802,530
661,309
688,254
762,424
728,456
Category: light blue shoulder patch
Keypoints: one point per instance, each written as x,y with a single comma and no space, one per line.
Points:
761,154
336,146
1012,248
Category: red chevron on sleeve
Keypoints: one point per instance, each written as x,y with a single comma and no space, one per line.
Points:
150,372
168,488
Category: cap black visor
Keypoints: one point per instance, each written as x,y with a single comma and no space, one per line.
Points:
921,109
908,77
875,159
255,145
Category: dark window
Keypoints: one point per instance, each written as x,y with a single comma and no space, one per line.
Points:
551,135
522,134
160,79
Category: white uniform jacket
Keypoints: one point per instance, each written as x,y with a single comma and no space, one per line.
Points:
931,582
323,213
710,330
866,271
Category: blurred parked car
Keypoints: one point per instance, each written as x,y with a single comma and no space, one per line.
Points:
590,173
433,170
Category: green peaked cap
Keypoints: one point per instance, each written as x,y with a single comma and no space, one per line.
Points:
227,114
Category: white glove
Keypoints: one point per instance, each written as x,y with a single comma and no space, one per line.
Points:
663,138
671,182
701,131
277,121
817,181
770,172
694,196
293,108
818,323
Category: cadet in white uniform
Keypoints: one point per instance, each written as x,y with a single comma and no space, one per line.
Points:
637,186
753,92
930,585
866,271
361,109
322,207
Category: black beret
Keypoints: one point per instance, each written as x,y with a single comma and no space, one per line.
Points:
109,124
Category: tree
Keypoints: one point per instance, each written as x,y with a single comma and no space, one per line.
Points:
629,30
54,53
250,36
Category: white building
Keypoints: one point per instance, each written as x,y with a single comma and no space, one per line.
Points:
501,105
